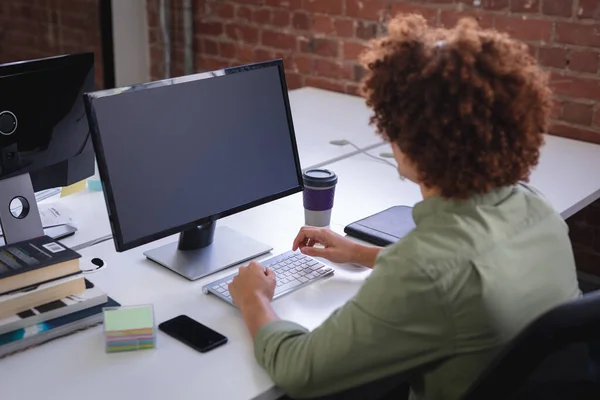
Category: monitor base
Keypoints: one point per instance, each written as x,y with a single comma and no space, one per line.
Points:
228,248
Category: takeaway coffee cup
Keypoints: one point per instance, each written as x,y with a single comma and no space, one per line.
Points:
319,191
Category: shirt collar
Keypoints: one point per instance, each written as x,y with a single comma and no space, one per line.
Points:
436,204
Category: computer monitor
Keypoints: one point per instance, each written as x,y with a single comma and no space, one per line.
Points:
44,134
174,156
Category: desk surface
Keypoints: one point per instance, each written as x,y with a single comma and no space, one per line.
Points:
78,364
567,174
321,116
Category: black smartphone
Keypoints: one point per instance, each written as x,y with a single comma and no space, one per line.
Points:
193,333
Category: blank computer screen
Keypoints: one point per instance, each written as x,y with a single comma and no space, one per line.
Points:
181,152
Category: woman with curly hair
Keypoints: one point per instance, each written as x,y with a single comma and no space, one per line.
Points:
465,111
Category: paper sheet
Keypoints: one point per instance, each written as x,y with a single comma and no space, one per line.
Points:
53,215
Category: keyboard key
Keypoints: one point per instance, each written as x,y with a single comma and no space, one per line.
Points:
302,279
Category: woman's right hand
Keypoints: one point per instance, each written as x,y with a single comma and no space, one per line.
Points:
335,248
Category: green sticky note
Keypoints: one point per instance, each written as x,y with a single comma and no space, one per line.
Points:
122,319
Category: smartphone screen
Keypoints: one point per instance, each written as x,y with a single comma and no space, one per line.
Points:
192,333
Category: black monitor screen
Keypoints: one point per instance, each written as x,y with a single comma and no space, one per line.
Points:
177,153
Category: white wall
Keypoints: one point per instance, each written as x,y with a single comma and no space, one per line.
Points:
130,36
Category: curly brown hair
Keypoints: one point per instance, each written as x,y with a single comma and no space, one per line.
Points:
467,106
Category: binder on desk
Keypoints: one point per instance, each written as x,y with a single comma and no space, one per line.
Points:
385,227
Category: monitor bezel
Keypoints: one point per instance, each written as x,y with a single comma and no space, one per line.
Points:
120,244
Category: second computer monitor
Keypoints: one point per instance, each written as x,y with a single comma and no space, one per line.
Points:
176,155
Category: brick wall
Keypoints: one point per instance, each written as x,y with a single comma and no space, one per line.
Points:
320,40
40,28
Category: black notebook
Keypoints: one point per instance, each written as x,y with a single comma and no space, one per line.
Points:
385,227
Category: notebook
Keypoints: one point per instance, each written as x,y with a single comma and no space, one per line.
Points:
385,227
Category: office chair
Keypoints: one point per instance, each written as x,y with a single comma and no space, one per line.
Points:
555,357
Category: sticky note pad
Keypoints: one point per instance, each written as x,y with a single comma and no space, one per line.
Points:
129,328
74,188
124,319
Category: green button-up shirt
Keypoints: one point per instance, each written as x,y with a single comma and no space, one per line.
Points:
439,304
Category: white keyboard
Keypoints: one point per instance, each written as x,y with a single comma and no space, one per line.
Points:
293,270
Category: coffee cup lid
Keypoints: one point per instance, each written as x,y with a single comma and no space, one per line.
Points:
318,177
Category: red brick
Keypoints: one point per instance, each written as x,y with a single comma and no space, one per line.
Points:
366,30
557,107
371,9
496,5
301,21
322,24
578,113
244,33
289,4
245,53
352,89
584,61
333,7
597,116
571,132
265,55
449,18
212,64
293,81
281,18
262,16
430,14
302,64
326,84
225,10
352,50
578,34
553,57
575,86
320,46
278,40
331,69
525,29
358,72
227,50
244,13
344,27
560,8
525,6
255,2
589,9
210,28
286,56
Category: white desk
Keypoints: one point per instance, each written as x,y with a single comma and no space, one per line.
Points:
567,174
321,116
79,366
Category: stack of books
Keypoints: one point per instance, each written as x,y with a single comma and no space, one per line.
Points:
44,295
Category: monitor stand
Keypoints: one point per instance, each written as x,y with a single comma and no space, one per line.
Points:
26,225
205,250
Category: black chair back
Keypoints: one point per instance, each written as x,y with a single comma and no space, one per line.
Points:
555,357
